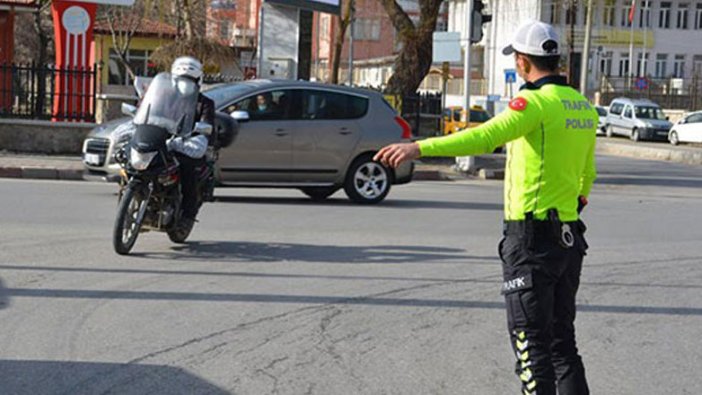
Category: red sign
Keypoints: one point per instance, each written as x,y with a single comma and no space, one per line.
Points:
75,53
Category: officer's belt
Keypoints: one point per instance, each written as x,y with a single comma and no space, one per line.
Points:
517,228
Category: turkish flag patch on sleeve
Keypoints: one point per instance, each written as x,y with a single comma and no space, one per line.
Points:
518,104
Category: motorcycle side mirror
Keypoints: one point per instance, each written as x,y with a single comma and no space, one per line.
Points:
203,128
128,109
240,116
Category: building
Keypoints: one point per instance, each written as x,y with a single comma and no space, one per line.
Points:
375,43
666,35
235,23
149,36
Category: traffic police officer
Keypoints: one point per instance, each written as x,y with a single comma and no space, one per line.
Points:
550,130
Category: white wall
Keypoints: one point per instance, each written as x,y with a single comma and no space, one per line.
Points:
278,41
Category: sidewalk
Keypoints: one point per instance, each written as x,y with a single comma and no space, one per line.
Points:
429,169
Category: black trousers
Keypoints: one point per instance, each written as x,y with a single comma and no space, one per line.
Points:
189,176
541,277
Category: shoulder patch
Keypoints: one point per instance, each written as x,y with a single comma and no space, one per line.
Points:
518,104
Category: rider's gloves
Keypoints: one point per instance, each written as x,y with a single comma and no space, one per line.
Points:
194,147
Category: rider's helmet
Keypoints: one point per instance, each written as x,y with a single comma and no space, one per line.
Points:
189,67
187,73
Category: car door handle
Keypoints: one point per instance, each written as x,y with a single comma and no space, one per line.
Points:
345,131
281,132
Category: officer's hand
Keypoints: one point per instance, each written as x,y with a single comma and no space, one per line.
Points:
393,155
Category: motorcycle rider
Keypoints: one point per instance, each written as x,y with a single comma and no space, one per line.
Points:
190,148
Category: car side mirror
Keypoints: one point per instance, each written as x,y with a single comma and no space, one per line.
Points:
128,109
240,116
203,128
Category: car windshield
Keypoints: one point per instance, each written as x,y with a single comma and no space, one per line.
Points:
479,116
601,111
649,113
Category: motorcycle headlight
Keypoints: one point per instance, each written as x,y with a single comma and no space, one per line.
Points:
140,161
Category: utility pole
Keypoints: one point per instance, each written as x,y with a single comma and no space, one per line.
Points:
631,47
468,18
586,50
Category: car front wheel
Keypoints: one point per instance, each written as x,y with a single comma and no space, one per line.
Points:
367,182
609,131
673,138
635,135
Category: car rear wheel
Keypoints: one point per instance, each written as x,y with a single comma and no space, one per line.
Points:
319,193
367,182
673,138
635,135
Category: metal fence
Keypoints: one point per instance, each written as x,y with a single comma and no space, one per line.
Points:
670,93
422,111
46,92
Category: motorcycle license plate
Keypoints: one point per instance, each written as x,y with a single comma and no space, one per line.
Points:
91,159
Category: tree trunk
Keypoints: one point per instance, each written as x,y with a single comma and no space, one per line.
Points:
414,60
344,22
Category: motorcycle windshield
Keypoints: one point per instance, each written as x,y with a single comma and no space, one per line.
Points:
169,103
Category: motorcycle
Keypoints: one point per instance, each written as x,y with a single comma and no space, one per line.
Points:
150,194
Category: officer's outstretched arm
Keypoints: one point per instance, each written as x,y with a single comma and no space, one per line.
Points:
517,121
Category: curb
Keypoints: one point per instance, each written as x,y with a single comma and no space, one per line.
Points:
680,155
41,173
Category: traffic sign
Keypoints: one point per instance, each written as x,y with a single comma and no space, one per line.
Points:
641,83
510,76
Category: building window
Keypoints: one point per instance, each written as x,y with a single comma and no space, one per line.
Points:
697,65
664,15
645,14
641,66
572,15
606,64
679,66
555,13
661,60
138,61
224,30
698,17
623,64
608,14
366,29
682,15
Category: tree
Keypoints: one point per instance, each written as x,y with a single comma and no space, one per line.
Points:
191,19
344,20
414,60
123,22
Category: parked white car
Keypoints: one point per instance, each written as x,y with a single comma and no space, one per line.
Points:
687,130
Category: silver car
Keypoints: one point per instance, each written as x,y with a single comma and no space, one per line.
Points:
315,137
637,119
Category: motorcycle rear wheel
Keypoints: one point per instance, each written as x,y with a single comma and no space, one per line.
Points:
127,226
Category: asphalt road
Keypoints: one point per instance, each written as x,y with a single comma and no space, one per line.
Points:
276,294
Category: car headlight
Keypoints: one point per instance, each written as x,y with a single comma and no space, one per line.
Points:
140,161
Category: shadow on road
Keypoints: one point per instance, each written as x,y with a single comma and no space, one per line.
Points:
679,182
4,300
65,377
340,202
326,300
280,252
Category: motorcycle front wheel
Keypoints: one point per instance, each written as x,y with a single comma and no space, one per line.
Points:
128,222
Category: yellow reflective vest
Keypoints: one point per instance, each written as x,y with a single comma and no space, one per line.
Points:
550,131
